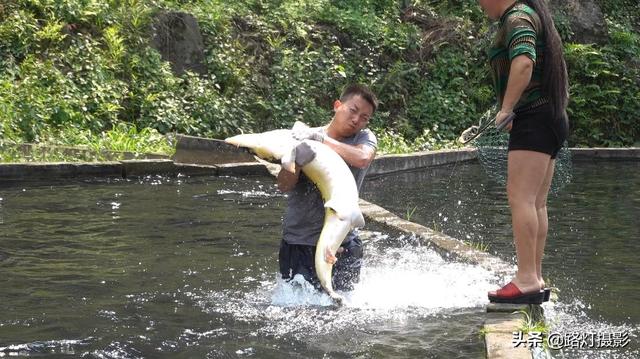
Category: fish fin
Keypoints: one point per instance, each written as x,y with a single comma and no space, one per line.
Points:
341,211
357,221
345,213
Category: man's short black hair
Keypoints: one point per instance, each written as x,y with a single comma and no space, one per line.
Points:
362,91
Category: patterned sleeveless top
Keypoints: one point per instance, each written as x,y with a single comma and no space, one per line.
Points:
520,32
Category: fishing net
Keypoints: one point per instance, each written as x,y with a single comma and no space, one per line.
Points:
491,145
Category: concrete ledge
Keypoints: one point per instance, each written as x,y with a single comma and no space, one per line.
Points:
502,320
80,152
207,151
125,168
132,168
59,170
630,153
506,308
408,162
196,170
137,168
387,164
243,169
203,152
498,336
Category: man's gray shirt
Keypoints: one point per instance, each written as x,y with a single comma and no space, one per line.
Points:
304,216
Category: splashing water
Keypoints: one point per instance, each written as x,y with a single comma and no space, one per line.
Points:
400,281
298,292
571,320
411,276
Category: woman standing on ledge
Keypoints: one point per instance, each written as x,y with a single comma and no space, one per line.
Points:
530,80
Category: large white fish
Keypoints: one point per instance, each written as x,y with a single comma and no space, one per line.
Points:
328,171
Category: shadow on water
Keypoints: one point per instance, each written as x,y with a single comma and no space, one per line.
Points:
187,267
591,253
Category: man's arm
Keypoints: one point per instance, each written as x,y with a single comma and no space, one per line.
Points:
359,156
287,180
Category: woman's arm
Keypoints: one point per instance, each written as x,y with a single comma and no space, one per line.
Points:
519,78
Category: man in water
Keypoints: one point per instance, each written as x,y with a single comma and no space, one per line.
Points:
348,136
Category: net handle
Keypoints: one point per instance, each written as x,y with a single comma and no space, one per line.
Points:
484,127
506,121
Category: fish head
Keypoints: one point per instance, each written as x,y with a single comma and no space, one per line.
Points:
270,145
277,145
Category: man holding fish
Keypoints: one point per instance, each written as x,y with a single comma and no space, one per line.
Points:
348,136
322,171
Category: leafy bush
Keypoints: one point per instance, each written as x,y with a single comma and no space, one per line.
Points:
87,67
605,91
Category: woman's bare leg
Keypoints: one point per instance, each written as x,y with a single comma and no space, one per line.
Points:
543,219
526,174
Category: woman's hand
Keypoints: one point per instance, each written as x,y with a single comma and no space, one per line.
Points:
503,116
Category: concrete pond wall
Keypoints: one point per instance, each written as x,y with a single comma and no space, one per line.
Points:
198,156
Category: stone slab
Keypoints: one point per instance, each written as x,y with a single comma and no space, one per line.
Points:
499,346
206,151
504,322
506,308
132,168
412,161
35,170
630,153
243,169
196,170
498,336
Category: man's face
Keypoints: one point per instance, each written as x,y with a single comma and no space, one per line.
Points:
352,115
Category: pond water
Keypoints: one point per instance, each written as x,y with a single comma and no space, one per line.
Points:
592,247
187,268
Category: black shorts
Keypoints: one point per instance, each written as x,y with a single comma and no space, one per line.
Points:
300,259
536,130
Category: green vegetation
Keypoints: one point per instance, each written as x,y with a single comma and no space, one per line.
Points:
533,322
113,144
410,212
605,104
83,72
479,246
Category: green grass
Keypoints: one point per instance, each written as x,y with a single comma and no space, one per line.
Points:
480,246
410,213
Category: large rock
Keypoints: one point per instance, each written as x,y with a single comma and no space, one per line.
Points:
176,35
585,19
